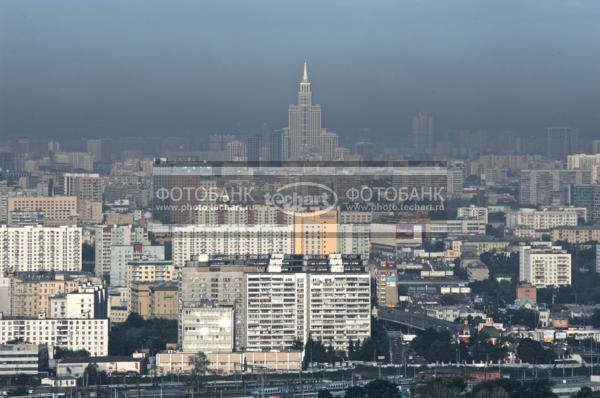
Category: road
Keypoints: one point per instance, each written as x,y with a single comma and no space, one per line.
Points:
415,320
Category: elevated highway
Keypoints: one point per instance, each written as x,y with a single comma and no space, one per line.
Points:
415,320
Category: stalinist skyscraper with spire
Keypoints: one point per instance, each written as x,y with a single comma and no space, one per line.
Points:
303,135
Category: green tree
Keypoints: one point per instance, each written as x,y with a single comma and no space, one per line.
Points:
595,318
531,351
524,317
513,389
436,389
365,351
501,263
442,351
137,333
483,350
492,392
324,394
332,356
199,364
381,389
439,347
315,351
91,375
63,353
537,389
356,392
424,340
297,345
450,299
586,392
352,346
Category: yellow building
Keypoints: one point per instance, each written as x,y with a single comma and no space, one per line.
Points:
118,314
164,301
90,211
113,218
316,233
576,235
139,298
154,300
478,246
151,271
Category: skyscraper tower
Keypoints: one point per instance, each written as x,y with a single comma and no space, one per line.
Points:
560,142
304,122
422,132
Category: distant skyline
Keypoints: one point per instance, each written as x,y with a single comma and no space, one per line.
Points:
185,67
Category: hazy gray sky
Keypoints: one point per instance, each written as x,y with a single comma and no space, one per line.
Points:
134,67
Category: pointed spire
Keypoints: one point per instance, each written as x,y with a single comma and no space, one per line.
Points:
305,77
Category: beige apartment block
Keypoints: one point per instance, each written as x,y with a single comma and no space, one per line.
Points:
30,294
164,300
57,210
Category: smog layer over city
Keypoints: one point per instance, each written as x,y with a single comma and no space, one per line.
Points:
261,198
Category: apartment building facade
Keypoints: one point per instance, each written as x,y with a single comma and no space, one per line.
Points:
55,210
544,265
207,329
328,299
38,248
28,294
219,282
72,334
194,240
115,235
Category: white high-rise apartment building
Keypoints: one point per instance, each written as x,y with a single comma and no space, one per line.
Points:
207,329
422,132
335,324
304,127
109,236
220,285
544,265
549,187
283,307
121,256
543,219
561,141
87,302
277,310
584,161
236,151
193,240
455,179
225,214
37,248
328,145
472,213
354,239
597,259
72,334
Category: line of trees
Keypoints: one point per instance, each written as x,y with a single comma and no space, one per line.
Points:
531,351
503,388
375,389
369,349
137,333
441,347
